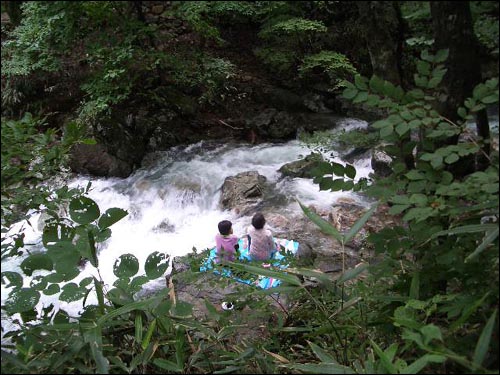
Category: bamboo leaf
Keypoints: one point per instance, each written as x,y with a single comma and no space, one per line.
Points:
490,237
320,276
321,353
147,338
468,312
352,273
420,363
467,229
484,342
415,286
167,365
291,279
324,225
138,328
321,368
139,305
359,224
383,357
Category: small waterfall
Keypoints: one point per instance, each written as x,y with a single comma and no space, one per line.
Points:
173,203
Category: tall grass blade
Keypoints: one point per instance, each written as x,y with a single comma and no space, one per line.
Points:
359,224
484,341
490,237
324,225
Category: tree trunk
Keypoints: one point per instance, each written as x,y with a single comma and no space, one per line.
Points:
13,9
383,31
453,29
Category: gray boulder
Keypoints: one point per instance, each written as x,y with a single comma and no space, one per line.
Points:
302,168
243,191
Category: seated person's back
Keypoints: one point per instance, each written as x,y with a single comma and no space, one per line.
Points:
261,239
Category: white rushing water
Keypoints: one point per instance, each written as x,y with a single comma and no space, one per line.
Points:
173,205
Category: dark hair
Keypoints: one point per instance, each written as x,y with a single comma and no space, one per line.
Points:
258,221
225,227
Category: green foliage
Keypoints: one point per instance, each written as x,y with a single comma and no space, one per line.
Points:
334,64
277,60
444,214
485,20
292,27
31,153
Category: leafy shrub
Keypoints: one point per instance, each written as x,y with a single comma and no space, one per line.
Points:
336,65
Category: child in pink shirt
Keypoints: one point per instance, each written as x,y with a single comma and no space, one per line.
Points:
226,242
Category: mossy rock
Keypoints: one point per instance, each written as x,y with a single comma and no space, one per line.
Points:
302,168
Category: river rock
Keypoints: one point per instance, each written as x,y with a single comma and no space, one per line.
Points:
95,160
243,191
381,163
302,168
164,227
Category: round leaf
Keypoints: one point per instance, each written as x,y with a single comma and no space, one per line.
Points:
71,292
156,264
126,266
350,93
36,262
52,289
451,158
137,283
64,255
86,281
20,300
83,210
350,171
337,184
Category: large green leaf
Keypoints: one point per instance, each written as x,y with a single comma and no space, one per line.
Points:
21,300
156,264
64,255
324,225
126,265
52,289
83,210
72,292
110,217
36,262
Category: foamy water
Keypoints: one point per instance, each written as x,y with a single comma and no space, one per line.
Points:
173,205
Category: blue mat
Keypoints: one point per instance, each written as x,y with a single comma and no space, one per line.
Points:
263,282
